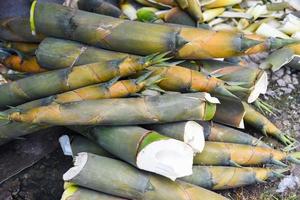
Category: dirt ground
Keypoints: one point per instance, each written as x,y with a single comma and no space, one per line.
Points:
42,178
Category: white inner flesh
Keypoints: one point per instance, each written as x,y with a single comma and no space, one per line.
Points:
79,164
129,11
211,99
65,145
260,87
242,124
194,136
170,158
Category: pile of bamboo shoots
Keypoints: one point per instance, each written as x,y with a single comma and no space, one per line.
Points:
157,109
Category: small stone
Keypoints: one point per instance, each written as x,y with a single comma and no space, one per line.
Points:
266,97
287,79
291,86
281,82
295,81
279,73
271,93
286,122
296,127
286,90
274,78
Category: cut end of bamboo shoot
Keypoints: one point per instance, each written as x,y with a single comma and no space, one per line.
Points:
79,163
65,145
194,136
170,158
211,99
260,87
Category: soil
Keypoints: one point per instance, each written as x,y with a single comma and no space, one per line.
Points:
42,178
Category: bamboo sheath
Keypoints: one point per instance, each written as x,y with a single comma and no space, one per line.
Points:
9,131
294,63
160,4
295,48
222,3
117,178
209,177
54,82
108,33
288,55
152,109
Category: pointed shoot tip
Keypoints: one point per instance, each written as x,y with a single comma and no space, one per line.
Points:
294,158
278,162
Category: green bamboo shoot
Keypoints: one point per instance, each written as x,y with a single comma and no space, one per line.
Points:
182,79
190,130
108,33
220,178
128,182
144,149
210,177
260,122
119,89
149,109
223,154
54,82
